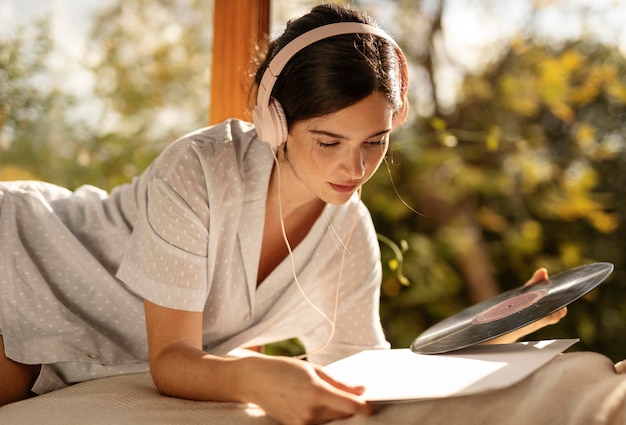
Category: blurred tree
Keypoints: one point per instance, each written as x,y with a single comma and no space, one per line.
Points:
151,66
36,140
150,61
522,174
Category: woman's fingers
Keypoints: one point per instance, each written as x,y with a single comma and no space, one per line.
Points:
539,275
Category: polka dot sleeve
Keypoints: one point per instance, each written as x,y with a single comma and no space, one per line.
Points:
167,263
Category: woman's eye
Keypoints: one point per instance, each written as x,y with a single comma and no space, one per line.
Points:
327,144
377,142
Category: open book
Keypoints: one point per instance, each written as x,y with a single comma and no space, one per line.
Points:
402,375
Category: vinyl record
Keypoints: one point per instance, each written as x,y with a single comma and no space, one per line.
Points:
510,310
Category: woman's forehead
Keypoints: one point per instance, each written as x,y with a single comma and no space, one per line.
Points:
371,115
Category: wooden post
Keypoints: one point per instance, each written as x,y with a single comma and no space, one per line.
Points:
237,26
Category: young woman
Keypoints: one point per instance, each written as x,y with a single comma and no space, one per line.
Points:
237,235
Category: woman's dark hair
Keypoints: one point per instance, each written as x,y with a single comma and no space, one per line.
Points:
335,72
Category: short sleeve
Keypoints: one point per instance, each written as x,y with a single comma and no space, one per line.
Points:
167,262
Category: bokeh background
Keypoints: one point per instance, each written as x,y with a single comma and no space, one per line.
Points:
513,158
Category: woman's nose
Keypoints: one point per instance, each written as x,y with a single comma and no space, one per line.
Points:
355,164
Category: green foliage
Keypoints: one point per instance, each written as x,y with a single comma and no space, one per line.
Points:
33,120
525,170
153,66
151,90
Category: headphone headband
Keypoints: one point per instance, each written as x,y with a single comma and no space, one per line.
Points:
268,115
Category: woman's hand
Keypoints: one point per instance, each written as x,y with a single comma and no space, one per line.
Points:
297,392
539,276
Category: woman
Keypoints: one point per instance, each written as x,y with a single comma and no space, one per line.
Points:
225,241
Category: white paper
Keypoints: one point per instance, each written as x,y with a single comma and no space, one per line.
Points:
400,374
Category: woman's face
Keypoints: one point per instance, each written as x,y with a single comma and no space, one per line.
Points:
333,155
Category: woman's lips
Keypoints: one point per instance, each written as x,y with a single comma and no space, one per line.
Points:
344,188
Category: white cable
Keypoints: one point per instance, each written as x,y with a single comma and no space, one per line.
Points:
331,322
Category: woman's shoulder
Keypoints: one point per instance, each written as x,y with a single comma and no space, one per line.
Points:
354,210
230,135
223,144
232,130
356,221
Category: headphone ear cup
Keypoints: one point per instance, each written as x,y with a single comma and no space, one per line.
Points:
279,122
271,123
400,116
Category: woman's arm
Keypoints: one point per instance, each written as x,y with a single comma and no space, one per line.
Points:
178,365
289,390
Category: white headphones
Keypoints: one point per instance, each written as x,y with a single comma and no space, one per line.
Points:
268,115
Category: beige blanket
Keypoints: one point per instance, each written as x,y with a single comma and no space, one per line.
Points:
573,389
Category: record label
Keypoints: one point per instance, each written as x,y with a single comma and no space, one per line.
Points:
510,310
510,306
